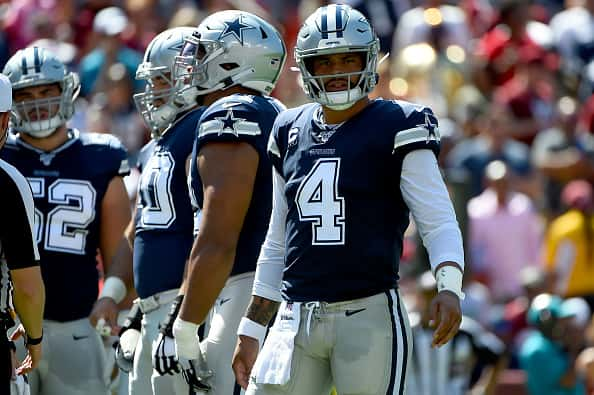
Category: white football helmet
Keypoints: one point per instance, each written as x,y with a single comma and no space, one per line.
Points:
36,66
231,48
159,106
332,29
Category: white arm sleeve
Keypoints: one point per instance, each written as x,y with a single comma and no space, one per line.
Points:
271,262
425,194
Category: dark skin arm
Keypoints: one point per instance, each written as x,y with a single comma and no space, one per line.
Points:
115,249
228,172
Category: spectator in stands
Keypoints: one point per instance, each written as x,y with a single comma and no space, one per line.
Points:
548,355
497,52
569,245
562,153
108,24
530,95
451,369
492,143
504,233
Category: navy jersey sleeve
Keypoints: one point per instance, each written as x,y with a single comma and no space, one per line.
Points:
231,119
16,227
144,155
275,147
419,130
283,135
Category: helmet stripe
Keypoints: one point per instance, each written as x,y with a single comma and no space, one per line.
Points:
36,60
331,19
24,69
149,50
339,27
324,26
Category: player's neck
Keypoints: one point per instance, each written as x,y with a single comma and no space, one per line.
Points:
50,143
333,117
214,96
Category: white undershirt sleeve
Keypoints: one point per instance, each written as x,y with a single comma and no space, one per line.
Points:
271,262
426,195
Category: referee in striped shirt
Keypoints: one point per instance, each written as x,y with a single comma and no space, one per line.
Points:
21,285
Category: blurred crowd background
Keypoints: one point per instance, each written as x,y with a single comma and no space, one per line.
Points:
512,83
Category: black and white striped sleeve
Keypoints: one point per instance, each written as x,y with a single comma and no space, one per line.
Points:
17,223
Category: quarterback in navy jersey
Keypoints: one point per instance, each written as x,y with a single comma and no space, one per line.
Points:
163,224
81,207
234,59
348,172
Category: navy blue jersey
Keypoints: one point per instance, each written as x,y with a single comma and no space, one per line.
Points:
68,186
242,118
164,212
346,216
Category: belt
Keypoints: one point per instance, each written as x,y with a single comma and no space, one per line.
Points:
155,301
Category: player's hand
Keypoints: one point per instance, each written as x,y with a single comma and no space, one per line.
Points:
194,375
105,310
125,347
33,352
164,359
446,315
244,357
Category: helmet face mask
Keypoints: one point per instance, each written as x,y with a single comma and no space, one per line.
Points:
231,48
38,69
161,101
337,29
192,64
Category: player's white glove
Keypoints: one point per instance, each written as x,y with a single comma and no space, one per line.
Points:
164,359
190,357
125,347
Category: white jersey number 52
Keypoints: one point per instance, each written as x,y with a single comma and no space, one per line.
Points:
65,226
319,203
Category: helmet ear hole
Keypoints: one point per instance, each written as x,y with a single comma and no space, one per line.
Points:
229,66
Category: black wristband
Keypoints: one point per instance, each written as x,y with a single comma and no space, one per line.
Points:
133,320
166,326
32,341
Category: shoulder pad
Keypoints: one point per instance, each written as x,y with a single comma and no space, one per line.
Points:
106,139
236,115
419,125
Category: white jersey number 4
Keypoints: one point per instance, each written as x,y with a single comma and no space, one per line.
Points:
318,202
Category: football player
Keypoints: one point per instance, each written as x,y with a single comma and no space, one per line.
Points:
163,220
347,173
234,59
81,206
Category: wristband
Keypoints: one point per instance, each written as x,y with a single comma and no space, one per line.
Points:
32,341
185,334
252,329
449,278
113,288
